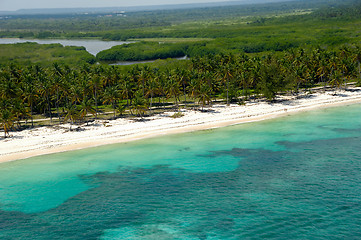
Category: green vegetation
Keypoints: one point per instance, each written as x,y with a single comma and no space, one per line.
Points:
291,24
143,51
72,93
322,27
232,59
96,24
45,54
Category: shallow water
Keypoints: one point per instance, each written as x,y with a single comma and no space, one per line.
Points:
296,177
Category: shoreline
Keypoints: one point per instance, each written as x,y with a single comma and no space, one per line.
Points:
48,140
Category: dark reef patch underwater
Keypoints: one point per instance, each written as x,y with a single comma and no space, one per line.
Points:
297,177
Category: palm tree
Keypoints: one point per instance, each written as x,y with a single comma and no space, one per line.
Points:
121,108
322,73
152,87
72,114
255,71
299,78
193,87
19,110
57,80
344,63
357,58
246,78
204,95
7,120
126,88
76,94
30,94
226,75
86,106
183,77
45,88
143,76
139,104
111,95
8,87
270,79
161,78
336,79
95,82
173,89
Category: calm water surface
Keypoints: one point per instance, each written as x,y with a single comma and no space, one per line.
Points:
92,46
297,177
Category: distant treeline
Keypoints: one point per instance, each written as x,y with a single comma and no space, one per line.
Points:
285,26
330,26
150,23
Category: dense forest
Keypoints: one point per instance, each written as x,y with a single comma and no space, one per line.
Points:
96,23
29,53
326,27
143,51
199,22
232,59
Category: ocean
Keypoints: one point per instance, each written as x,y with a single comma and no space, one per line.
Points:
294,177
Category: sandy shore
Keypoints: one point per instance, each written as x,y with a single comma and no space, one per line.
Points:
45,140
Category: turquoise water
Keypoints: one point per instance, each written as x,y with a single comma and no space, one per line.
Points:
296,177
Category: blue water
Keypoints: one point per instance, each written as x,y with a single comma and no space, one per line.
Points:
296,177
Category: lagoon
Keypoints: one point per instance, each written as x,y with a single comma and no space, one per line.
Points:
92,46
295,177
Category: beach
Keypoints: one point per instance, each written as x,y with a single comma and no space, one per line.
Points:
46,140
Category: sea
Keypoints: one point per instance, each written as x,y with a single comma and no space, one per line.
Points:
293,177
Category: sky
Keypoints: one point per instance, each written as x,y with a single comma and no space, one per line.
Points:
12,5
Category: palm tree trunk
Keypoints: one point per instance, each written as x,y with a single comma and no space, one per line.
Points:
298,87
185,95
324,83
176,103
49,108
32,117
96,103
114,110
143,87
163,102
227,91
151,102
57,104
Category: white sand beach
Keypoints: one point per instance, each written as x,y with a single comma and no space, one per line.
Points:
45,140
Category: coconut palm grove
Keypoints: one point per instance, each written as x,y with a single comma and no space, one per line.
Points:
62,92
